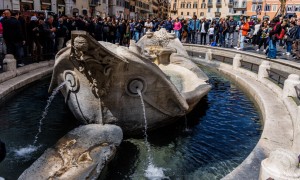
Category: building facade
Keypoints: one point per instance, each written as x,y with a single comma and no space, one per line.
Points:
269,8
188,8
121,9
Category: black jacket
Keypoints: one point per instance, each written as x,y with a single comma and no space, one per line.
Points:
12,30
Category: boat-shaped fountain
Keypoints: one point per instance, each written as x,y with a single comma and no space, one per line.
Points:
104,78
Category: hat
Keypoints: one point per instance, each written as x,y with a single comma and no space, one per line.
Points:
33,18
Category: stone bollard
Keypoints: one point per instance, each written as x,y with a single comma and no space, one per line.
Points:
9,63
237,61
208,55
263,70
280,165
289,86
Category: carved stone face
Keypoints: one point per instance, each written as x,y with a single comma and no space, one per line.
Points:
81,44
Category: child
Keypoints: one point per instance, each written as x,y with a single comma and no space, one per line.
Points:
211,32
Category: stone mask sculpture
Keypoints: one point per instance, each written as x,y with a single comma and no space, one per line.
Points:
103,79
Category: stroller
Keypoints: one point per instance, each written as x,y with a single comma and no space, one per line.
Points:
249,38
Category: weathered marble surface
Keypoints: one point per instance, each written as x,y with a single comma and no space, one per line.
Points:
81,154
103,80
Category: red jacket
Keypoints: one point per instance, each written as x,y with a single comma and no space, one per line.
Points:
245,29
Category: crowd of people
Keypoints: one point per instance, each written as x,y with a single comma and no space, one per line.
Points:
40,37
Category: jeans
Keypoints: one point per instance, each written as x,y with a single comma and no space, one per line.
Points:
177,33
193,37
203,38
60,43
136,36
16,49
242,42
272,51
229,37
222,39
289,46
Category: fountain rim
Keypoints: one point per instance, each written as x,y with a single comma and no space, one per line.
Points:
246,79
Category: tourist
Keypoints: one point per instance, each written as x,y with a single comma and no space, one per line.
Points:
148,25
211,33
137,30
185,32
274,37
177,27
168,25
194,26
49,42
291,36
13,36
264,35
203,28
61,33
296,44
256,33
99,29
244,28
230,33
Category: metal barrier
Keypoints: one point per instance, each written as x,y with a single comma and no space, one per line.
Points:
277,77
250,66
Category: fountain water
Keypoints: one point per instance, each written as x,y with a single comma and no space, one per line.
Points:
152,172
32,148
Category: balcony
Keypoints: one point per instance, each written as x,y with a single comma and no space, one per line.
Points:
240,6
230,4
257,1
209,4
218,4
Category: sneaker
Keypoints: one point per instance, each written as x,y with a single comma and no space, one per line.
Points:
283,53
265,50
236,47
288,53
21,65
257,50
240,49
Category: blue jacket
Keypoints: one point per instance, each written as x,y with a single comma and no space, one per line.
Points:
168,25
192,25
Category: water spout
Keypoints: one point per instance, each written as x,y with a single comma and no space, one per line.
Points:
45,112
152,172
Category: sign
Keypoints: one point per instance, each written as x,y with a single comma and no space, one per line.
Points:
217,14
16,5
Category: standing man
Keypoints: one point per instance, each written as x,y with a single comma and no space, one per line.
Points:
244,28
148,25
194,27
230,33
13,36
203,31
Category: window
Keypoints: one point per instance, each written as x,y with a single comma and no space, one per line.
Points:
104,1
174,6
230,10
188,13
195,5
181,13
267,7
274,7
203,5
194,13
189,5
203,1
208,10
201,13
182,5
253,7
218,9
